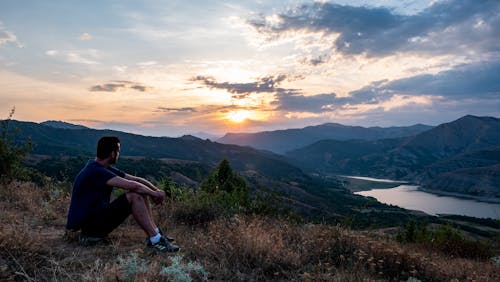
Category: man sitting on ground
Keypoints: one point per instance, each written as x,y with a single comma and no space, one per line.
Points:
91,210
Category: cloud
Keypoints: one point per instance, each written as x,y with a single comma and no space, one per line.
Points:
7,36
72,57
85,37
267,84
52,53
147,64
444,27
120,69
85,57
466,81
316,61
186,109
296,102
207,109
117,85
471,82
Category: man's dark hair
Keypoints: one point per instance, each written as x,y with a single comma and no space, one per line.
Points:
106,145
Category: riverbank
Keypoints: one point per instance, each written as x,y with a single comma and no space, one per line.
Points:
410,197
461,196
359,183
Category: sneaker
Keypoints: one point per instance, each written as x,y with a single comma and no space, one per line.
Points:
163,235
163,246
92,241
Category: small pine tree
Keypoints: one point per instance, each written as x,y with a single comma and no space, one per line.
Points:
224,180
411,231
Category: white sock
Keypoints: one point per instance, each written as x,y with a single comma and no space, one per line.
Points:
155,239
157,230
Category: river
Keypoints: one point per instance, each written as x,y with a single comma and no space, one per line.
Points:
409,197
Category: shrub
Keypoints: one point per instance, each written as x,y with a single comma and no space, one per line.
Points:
224,193
445,238
11,154
179,271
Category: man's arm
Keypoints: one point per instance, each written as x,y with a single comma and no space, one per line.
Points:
142,181
137,187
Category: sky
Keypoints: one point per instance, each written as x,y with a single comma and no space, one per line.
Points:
168,68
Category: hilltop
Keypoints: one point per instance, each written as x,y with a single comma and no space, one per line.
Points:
312,229
33,246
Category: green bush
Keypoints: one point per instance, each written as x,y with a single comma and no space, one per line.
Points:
444,238
414,232
11,154
223,194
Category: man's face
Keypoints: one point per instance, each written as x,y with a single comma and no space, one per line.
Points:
115,155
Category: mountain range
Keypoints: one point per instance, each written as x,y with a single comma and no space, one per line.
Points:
281,141
462,156
459,157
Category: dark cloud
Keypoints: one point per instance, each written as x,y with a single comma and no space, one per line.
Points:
267,84
117,85
204,109
186,109
226,108
297,102
444,27
466,81
316,60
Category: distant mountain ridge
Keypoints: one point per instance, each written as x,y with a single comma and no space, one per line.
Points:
56,141
280,141
62,124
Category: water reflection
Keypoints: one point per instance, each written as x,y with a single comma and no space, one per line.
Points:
409,197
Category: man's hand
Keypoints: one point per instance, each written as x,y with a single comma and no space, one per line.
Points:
159,197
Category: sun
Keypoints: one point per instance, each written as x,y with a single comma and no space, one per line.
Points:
238,116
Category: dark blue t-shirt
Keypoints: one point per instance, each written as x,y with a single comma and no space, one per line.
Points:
90,192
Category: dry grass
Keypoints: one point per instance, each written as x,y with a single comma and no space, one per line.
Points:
243,248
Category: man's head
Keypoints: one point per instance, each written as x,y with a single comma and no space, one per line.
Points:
108,147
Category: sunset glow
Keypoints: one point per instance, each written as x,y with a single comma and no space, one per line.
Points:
174,68
238,116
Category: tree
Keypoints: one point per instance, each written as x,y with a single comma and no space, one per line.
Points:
224,180
11,154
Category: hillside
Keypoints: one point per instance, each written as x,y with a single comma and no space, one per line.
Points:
308,232
465,135
34,247
475,173
356,157
467,146
477,181
281,141
61,153
54,141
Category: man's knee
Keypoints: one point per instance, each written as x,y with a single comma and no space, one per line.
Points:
133,197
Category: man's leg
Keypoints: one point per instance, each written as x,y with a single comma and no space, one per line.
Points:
141,211
107,219
150,211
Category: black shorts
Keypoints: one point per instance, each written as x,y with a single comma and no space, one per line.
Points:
106,220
